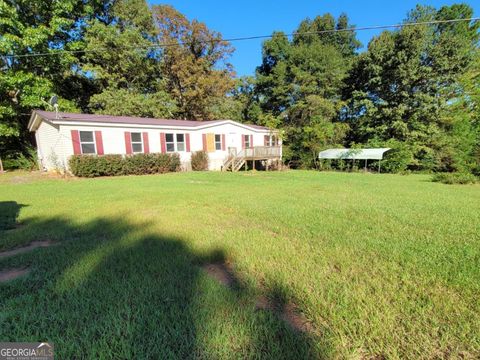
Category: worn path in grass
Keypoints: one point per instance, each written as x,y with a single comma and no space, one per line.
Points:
379,265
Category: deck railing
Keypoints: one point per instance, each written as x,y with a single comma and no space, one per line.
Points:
261,152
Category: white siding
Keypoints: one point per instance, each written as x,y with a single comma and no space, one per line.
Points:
51,147
60,142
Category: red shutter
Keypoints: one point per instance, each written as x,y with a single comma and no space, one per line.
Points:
251,141
128,143
163,145
243,141
76,142
99,142
187,140
146,146
204,140
223,142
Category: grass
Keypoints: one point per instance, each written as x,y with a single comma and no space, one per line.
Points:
381,265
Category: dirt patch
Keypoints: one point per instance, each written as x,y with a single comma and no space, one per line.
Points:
289,313
220,272
33,245
293,317
11,274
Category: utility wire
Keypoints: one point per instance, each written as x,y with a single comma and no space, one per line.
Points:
246,38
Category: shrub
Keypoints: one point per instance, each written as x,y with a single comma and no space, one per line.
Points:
21,161
113,165
454,178
199,161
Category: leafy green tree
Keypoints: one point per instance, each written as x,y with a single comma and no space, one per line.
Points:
300,82
406,88
123,61
273,81
241,104
37,26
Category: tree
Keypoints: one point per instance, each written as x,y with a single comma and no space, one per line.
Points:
122,60
194,63
300,82
36,26
405,87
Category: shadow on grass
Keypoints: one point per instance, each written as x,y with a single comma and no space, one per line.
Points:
112,289
9,211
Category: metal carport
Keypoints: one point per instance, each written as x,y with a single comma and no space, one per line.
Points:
354,154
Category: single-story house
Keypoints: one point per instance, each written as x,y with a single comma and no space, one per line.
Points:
228,143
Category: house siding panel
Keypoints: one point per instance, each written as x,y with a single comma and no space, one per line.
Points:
51,146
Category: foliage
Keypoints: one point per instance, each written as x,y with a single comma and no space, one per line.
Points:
406,88
124,101
299,83
114,165
14,160
126,70
454,178
115,65
25,83
199,161
195,65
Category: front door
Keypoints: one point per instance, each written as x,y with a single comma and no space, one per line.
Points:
232,151
233,143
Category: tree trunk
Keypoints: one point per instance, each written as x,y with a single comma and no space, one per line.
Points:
1,166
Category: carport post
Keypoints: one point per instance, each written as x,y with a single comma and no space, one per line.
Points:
365,165
379,165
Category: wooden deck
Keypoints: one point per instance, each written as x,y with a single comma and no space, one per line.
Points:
235,163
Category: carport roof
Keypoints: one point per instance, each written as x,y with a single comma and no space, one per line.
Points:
353,154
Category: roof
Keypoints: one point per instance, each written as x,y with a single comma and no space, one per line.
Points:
128,120
354,154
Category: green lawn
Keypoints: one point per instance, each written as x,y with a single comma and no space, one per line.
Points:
383,266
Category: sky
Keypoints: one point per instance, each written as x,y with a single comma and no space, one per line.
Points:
261,17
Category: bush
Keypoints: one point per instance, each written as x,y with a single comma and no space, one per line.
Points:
21,161
199,161
454,178
113,165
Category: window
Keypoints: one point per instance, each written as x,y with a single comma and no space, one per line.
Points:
87,142
175,142
218,142
137,145
246,139
272,140
180,142
169,140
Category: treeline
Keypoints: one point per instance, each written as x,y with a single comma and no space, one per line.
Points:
415,89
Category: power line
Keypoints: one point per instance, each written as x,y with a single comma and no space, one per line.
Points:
246,38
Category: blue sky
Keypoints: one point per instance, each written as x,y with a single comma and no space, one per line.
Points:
262,17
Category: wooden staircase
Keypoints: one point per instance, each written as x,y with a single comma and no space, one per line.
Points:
234,163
